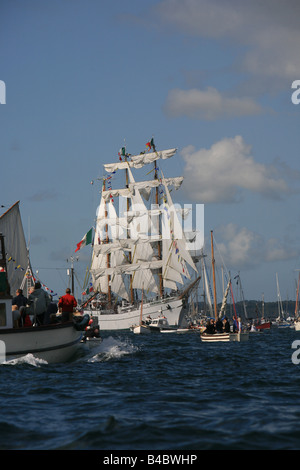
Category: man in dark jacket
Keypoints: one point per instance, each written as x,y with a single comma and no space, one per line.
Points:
19,299
38,303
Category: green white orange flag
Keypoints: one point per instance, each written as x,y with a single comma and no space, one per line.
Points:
87,240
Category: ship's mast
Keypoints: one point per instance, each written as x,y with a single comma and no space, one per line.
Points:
108,255
159,231
214,276
128,235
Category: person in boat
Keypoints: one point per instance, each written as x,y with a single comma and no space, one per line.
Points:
67,303
91,331
38,303
219,326
16,316
20,300
210,327
226,325
51,311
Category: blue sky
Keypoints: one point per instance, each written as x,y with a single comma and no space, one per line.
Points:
212,78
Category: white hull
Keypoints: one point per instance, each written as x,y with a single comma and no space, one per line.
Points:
170,308
297,325
141,330
282,324
224,337
52,343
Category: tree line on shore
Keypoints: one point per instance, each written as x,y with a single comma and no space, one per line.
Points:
254,309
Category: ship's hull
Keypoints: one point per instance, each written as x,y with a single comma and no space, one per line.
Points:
263,326
224,337
53,343
171,308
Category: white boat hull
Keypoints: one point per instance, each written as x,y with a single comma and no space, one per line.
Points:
52,343
297,325
224,337
170,308
141,330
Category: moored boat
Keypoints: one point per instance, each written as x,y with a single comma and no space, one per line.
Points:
263,325
297,325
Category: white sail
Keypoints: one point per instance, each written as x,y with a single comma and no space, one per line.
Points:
100,284
175,254
129,245
125,192
143,251
128,268
207,288
17,253
145,187
138,161
222,310
101,252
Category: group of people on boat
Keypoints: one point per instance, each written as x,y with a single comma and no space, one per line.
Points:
222,326
39,308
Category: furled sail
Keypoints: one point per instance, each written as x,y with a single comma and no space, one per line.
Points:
138,161
222,310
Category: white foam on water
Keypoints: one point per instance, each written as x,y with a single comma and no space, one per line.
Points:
112,348
27,359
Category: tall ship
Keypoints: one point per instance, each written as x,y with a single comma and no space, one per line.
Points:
139,245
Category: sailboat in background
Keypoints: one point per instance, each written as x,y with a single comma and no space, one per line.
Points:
297,318
142,328
281,322
141,246
239,335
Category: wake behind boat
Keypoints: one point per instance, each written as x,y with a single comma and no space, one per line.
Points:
52,343
141,246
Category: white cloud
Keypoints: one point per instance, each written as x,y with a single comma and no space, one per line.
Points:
241,248
208,104
269,29
220,173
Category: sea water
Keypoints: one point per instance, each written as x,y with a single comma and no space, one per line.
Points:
156,392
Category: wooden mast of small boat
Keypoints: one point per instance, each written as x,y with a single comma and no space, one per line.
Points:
214,276
108,255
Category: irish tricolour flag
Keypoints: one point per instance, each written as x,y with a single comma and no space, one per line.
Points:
87,240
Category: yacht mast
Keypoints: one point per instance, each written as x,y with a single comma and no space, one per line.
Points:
214,277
